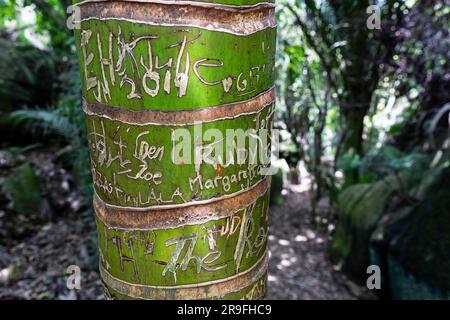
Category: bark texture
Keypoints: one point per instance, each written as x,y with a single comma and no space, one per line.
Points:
175,229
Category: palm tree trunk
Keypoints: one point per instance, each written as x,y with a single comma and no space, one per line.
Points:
156,75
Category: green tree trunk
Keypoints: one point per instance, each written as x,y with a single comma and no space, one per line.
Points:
168,227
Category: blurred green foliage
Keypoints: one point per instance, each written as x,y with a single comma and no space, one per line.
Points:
41,89
26,76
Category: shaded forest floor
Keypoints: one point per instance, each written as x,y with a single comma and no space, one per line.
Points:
299,267
34,255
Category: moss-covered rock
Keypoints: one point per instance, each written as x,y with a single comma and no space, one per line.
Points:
27,75
423,248
411,244
359,209
22,185
27,78
389,226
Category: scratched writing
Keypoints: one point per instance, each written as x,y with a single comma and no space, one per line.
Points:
202,248
124,154
131,63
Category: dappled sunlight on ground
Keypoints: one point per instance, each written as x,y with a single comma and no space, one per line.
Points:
299,267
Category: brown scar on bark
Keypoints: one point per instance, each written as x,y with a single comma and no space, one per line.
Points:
238,20
207,290
114,217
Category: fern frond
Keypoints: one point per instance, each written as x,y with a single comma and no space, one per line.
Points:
48,120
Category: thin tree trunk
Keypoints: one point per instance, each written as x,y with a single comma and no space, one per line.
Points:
155,75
